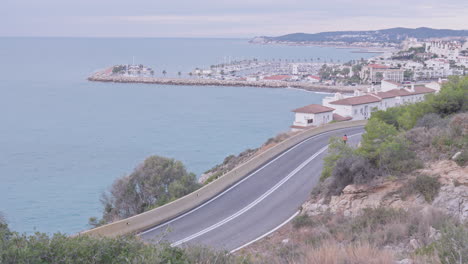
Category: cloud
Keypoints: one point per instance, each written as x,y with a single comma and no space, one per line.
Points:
221,18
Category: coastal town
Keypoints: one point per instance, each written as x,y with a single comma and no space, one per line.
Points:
401,76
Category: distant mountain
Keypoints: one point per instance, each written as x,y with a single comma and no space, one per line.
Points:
392,35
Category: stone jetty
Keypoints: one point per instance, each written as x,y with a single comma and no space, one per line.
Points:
106,76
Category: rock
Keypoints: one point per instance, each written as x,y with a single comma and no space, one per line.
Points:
285,241
405,261
414,243
434,234
452,197
456,155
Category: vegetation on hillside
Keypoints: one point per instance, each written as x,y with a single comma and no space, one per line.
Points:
401,139
370,237
18,248
155,182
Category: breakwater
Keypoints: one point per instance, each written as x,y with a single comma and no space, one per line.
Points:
105,76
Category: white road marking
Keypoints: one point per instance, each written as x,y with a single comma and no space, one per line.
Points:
266,234
255,202
239,182
252,204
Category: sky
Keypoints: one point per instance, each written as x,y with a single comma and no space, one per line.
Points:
221,18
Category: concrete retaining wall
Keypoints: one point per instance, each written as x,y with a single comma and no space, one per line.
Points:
164,213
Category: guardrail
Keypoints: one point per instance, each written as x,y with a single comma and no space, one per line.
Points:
166,212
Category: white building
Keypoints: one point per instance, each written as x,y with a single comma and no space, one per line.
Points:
311,116
462,61
377,72
446,49
358,107
361,107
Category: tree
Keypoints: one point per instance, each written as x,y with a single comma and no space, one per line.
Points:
408,74
157,181
164,73
179,73
377,134
379,76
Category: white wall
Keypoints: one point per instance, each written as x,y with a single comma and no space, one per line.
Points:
362,112
343,110
318,119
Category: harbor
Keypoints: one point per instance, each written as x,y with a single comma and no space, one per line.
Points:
207,79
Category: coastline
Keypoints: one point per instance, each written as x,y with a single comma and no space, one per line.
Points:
104,76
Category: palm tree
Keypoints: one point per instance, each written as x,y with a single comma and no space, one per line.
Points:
164,73
179,73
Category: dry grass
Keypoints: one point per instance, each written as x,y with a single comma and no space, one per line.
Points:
330,252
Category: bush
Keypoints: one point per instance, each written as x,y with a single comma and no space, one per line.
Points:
302,220
42,248
157,181
432,120
427,186
336,150
462,159
452,247
348,170
377,135
397,158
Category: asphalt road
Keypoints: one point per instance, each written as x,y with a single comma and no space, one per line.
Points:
258,204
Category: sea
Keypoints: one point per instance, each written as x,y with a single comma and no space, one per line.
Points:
64,140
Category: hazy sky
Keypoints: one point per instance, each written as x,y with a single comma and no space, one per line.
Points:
221,18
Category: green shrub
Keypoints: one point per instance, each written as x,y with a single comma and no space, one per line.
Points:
302,220
452,247
158,180
427,186
348,170
462,159
41,248
378,133
336,150
213,177
395,157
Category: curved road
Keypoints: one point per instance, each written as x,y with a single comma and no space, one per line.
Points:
256,205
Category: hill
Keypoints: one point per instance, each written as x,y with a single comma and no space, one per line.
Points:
392,35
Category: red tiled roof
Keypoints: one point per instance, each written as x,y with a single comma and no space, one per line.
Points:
337,117
420,89
313,109
399,92
357,100
384,95
314,77
277,77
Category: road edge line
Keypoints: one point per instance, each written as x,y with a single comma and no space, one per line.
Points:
266,234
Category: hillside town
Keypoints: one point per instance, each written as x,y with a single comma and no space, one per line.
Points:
403,77
414,61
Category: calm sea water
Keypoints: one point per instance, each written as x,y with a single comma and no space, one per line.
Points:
64,140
